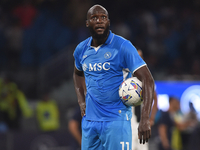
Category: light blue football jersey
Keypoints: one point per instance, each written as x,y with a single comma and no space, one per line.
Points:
104,72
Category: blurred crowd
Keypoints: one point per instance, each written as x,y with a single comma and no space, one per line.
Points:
14,107
177,131
32,31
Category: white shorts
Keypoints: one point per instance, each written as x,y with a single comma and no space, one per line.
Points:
135,142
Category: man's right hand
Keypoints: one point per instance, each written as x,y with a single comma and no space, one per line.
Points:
82,108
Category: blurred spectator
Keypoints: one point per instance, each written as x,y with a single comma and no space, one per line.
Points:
9,105
191,116
74,126
13,104
47,114
170,125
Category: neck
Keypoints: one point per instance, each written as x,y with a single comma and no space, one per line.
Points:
98,41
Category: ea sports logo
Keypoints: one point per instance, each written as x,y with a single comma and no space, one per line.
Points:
84,66
191,95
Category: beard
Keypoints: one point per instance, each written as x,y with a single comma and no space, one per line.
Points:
99,36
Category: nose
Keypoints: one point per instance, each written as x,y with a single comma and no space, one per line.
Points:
99,19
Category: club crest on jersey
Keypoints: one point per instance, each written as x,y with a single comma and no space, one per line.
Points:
107,55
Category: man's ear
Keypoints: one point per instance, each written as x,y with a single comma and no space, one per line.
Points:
87,23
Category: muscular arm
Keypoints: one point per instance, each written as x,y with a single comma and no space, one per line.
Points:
79,84
144,129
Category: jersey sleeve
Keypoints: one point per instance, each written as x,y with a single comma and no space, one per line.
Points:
130,57
77,58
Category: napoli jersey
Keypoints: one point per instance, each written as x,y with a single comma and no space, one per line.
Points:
103,68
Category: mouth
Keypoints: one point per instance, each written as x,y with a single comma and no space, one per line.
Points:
99,29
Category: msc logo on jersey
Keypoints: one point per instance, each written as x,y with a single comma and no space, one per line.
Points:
96,66
107,55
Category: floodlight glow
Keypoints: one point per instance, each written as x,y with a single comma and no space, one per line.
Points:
191,94
163,102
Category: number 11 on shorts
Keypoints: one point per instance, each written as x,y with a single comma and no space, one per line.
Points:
127,143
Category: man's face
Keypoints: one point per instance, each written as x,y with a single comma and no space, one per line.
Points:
175,104
98,23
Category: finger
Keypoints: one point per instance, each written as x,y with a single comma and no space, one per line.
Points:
144,137
147,140
148,135
140,137
140,141
83,113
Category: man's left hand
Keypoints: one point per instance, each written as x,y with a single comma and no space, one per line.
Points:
144,131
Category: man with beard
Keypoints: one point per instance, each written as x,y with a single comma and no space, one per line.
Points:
100,61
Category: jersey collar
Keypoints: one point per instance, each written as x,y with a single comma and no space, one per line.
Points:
108,41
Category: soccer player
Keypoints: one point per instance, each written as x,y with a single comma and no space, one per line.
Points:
101,59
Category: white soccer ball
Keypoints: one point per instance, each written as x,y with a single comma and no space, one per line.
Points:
130,92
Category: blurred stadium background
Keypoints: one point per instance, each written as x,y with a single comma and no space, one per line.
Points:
38,37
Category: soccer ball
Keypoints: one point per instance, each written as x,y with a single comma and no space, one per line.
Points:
130,92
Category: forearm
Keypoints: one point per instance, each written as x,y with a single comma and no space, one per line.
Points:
148,90
79,88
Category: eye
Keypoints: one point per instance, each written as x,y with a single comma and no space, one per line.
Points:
103,17
94,18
